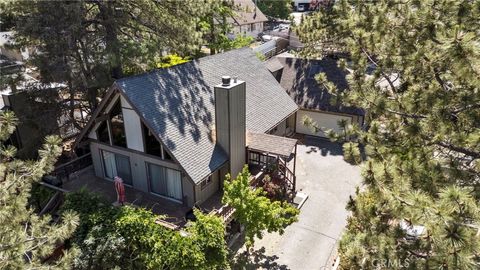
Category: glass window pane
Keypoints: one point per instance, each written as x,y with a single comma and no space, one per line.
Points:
109,164
174,179
152,146
158,182
102,132
118,129
123,168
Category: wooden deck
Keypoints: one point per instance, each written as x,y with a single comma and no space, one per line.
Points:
174,212
214,205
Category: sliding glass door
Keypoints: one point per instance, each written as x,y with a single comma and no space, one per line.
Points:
164,181
117,165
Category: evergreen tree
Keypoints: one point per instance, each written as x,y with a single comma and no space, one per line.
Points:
87,44
254,210
279,9
414,67
26,239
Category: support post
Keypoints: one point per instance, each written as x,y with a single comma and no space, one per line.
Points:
294,167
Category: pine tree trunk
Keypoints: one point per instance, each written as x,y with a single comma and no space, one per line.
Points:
107,13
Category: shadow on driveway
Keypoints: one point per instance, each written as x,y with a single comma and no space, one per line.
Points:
323,146
257,259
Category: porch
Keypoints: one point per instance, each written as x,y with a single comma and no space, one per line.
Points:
175,213
274,156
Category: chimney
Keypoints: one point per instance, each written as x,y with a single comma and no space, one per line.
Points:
230,121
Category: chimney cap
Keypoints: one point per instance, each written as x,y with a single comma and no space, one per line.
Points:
226,80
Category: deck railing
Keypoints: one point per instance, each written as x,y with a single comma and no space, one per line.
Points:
63,171
226,212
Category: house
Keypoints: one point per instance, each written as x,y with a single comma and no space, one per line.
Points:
248,19
7,49
297,77
38,108
176,132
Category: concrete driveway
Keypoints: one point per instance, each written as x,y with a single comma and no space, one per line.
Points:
328,180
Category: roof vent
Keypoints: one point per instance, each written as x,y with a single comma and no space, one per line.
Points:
225,80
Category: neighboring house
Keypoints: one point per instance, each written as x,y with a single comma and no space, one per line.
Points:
176,132
6,49
248,19
36,106
297,77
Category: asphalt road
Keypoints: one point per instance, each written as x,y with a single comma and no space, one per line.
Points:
309,243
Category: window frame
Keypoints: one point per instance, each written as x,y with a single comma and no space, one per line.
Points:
149,182
206,182
104,167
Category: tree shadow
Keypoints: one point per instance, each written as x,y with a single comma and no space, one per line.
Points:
257,259
323,147
298,79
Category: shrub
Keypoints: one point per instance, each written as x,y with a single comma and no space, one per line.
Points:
127,237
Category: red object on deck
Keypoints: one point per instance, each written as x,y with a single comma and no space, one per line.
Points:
120,188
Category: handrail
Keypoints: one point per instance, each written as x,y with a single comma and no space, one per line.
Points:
63,171
54,187
59,167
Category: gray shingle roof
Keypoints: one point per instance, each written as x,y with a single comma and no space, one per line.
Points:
245,12
272,144
273,64
178,104
298,79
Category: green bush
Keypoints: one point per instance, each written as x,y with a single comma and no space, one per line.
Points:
129,238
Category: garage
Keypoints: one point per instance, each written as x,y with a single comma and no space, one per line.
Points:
323,120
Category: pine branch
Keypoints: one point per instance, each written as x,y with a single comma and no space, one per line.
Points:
470,106
459,149
384,75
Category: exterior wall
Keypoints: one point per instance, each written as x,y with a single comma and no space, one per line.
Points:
285,128
253,29
138,168
291,124
133,127
280,129
323,119
217,184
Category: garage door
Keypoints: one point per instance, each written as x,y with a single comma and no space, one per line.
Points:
323,120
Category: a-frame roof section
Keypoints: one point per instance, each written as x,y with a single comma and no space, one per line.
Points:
91,123
178,105
219,157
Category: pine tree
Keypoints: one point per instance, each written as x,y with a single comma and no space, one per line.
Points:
254,210
89,44
275,8
26,239
415,68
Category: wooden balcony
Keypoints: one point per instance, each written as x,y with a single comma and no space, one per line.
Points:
86,179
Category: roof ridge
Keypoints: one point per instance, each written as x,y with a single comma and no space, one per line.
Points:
160,70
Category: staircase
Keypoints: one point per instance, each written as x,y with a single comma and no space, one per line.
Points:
285,173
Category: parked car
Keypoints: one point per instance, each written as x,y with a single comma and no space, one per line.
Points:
300,8
284,26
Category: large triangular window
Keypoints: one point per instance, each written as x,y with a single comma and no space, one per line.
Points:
112,129
152,145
